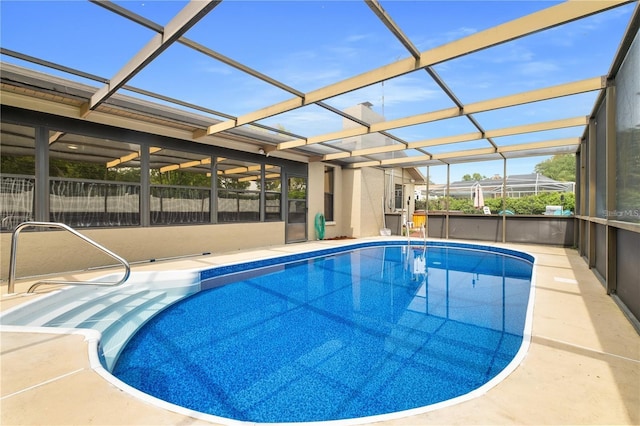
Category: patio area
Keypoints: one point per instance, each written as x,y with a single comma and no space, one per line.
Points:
583,364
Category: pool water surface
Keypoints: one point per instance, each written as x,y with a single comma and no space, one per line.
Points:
371,331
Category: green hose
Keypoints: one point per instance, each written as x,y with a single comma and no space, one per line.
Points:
320,226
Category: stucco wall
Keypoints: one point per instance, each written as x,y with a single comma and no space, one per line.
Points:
372,193
351,200
49,252
362,194
362,200
336,228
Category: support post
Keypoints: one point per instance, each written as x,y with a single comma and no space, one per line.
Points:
145,186
447,202
41,202
426,207
591,142
610,176
504,201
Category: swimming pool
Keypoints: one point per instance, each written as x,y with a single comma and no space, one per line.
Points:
369,331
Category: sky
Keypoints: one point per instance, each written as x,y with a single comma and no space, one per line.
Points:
311,44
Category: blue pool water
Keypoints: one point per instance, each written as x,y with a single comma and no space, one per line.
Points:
370,331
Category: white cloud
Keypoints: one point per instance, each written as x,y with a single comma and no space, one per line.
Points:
217,70
357,37
510,52
395,92
538,68
410,91
309,78
343,53
306,121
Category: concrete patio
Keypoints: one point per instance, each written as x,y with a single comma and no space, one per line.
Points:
583,365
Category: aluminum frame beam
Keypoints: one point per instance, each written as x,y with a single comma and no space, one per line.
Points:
520,27
179,24
567,89
472,152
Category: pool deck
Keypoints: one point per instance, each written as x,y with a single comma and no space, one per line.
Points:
583,364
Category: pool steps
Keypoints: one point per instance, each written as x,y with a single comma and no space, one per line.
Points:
116,312
89,311
118,333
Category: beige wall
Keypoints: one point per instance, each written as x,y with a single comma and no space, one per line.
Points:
351,201
49,252
371,194
361,201
345,201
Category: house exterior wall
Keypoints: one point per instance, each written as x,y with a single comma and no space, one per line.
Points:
351,201
53,251
336,228
372,192
363,191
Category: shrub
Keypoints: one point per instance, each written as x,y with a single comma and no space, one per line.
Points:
530,204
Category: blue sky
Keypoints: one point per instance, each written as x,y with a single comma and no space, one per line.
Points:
310,44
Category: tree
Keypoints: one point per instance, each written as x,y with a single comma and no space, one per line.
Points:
228,182
560,167
179,177
297,188
474,177
18,165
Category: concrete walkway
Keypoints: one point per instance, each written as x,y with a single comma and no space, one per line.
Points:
583,365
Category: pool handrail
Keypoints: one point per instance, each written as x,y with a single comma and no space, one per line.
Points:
14,251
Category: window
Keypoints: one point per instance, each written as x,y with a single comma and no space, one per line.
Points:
92,181
95,179
18,175
180,187
238,190
328,193
272,193
398,197
297,199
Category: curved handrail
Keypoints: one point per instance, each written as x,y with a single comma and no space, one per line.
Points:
14,250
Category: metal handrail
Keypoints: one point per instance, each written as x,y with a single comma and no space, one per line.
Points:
14,251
